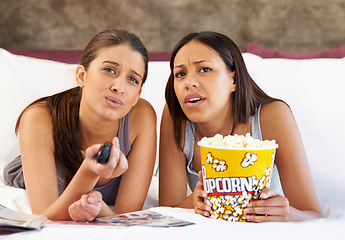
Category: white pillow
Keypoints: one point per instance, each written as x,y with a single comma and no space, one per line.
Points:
314,89
154,87
23,80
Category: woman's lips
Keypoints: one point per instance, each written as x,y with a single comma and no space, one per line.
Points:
194,100
114,102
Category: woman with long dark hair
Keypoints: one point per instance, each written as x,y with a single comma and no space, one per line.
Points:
210,92
60,136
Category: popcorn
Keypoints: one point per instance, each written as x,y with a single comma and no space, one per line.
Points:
235,169
237,141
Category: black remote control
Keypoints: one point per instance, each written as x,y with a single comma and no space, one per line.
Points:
103,154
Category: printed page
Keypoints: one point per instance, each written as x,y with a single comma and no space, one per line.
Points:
144,218
10,218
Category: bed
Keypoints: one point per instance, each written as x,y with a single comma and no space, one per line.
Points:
313,87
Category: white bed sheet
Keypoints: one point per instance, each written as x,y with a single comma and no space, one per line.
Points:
204,228
283,78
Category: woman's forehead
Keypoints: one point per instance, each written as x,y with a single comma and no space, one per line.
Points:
123,54
195,51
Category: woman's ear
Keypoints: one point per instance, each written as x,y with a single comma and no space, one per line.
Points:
232,75
80,75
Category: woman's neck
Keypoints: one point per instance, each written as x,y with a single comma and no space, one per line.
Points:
211,129
218,125
95,130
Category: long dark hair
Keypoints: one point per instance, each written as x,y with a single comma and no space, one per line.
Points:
64,106
248,95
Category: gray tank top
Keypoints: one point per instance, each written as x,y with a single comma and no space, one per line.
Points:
188,151
13,172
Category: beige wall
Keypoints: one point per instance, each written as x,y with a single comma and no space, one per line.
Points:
291,25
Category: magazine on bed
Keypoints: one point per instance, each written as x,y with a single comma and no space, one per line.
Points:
139,218
13,221
144,218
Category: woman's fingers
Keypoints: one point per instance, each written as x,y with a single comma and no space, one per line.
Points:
77,213
116,165
87,208
91,152
122,166
271,207
95,195
115,150
268,193
74,213
200,176
200,207
263,218
117,160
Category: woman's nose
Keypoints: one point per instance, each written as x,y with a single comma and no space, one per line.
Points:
191,82
118,85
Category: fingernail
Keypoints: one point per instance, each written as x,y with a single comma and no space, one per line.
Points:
90,199
249,205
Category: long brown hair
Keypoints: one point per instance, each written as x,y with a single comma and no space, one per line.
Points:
247,96
64,106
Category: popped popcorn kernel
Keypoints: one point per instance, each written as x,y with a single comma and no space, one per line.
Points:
237,141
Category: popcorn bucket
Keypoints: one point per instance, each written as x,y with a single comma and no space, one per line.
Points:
234,177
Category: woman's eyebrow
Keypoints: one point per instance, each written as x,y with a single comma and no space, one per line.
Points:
195,63
118,64
201,61
137,74
111,62
179,66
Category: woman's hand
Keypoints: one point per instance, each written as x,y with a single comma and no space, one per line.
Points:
116,165
87,207
200,207
271,208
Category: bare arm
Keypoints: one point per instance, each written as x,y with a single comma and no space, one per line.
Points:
136,181
300,201
39,167
172,168
277,122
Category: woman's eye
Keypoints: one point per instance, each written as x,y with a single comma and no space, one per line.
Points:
179,74
110,70
133,80
205,69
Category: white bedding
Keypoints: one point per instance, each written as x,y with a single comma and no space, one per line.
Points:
313,88
204,228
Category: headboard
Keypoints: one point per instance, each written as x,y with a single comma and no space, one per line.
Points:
297,26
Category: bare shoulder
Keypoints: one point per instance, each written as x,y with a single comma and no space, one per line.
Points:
276,118
142,119
37,114
143,108
36,131
273,111
275,108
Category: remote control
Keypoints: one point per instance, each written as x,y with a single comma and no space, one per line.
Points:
103,154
